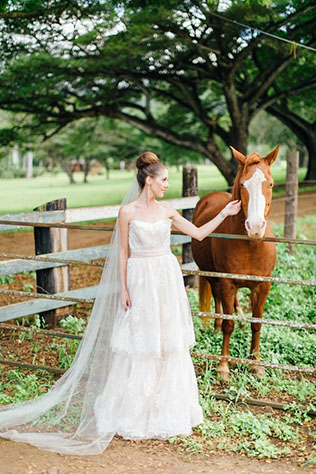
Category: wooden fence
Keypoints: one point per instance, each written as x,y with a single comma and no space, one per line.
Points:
64,219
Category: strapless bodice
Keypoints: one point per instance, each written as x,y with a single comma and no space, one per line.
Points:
148,239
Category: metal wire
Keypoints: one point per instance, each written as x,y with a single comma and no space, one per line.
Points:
214,235
271,365
272,322
40,258
72,299
196,355
237,276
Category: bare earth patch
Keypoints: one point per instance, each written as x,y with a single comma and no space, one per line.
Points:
145,457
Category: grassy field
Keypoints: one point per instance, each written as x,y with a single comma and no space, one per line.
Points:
20,195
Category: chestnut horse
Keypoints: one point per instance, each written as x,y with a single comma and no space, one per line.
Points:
253,186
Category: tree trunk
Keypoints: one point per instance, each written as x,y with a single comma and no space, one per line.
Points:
85,170
227,168
67,170
311,167
240,139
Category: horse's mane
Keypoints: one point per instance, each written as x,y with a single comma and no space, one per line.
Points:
236,186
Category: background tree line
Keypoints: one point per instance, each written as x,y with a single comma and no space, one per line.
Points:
186,77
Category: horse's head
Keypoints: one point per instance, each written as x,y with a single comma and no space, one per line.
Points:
253,185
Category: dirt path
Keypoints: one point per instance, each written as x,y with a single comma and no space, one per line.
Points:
142,457
23,242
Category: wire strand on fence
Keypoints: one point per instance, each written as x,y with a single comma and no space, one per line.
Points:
237,360
214,235
237,276
71,299
44,332
196,355
11,363
39,258
272,322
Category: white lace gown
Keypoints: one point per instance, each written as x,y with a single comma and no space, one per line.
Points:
151,391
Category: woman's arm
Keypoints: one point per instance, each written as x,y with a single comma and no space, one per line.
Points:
123,223
199,233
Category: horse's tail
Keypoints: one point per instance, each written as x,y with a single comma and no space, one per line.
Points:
205,293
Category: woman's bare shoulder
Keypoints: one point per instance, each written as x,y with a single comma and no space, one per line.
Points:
168,209
127,210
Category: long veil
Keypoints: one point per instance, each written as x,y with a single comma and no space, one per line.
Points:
63,419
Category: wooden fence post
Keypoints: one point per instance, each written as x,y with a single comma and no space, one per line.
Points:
189,188
291,189
51,280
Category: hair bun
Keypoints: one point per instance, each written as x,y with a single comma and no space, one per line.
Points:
146,159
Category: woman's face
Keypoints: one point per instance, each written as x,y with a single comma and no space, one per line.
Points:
160,183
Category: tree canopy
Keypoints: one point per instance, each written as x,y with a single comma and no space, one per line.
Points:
209,73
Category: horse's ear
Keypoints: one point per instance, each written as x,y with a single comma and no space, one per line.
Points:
239,156
271,157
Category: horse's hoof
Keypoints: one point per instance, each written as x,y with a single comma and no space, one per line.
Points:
223,374
258,370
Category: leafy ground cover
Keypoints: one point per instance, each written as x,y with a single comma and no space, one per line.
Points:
229,427
21,195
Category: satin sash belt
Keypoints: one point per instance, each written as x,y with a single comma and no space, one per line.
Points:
149,253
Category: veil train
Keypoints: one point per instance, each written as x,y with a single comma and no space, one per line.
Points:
63,419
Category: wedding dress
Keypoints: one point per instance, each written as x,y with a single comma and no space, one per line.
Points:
151,391
132,373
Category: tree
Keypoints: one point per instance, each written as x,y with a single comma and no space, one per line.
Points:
210,76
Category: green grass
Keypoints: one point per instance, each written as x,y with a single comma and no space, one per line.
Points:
21,195
237,428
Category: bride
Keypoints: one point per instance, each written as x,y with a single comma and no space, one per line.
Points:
132,374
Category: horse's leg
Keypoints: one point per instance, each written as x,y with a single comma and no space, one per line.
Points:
218,305
218,309
228,294
205,293
258,298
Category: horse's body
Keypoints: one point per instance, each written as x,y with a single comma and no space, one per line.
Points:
253,186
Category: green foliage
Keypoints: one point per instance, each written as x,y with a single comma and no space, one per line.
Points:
72,324
170,69
23,387
6,279
66,352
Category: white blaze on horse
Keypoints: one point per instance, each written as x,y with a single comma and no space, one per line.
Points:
253,186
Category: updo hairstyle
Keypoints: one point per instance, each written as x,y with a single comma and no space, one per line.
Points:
148,164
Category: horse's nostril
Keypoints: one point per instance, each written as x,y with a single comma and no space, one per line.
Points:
263,224
247,225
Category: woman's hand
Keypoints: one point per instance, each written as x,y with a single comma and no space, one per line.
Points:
125,299
231,209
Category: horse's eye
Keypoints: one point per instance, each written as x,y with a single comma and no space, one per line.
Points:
242,185
271,184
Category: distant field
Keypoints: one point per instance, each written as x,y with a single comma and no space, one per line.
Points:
19,195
